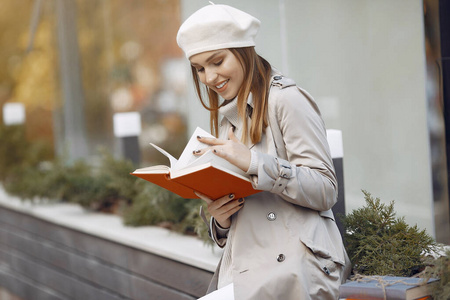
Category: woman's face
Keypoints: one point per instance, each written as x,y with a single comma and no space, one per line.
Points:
220,70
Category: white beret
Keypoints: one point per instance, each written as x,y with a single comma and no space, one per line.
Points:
215,27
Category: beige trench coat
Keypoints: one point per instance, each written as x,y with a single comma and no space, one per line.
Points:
285,242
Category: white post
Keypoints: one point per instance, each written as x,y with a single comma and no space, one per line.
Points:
13,113
127,128
334,138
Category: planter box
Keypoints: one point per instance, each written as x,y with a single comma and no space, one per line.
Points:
60,251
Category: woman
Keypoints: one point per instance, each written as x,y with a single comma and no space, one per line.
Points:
281,243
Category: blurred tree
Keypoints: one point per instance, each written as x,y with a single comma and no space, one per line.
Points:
35,75
122,44
12,25
36,82
30,76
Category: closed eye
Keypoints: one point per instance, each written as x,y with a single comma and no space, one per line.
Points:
218,63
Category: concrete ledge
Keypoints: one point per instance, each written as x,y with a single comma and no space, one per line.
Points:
160,241
64,251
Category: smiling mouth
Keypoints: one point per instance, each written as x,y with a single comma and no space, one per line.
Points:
222,84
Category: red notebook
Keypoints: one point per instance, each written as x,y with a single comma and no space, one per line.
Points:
208,174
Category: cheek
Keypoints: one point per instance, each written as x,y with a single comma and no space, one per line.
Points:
236,72
201,77
240,77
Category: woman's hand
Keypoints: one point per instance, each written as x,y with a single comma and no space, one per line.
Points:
232,150
222,208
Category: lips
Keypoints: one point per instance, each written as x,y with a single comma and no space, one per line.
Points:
221,86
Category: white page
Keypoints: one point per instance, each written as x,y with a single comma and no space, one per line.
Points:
187,157
210,157
173,160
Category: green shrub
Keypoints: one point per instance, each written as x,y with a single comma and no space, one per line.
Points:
156,206
13,149
30,182
27,171
152,206
99,187
20,162
378,243
194,223
118,178
102,188
107,187
63,181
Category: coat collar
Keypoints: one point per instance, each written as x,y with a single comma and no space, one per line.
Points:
230,113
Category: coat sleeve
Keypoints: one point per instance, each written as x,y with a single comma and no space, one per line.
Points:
307,176
218,234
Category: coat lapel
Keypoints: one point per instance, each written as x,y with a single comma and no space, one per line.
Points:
231,118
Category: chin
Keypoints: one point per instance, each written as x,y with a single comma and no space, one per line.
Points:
229,98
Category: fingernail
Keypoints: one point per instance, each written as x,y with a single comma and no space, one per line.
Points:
230,196
215,151
199,137
197,151
241,200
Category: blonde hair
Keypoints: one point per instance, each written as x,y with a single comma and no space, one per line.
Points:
257,74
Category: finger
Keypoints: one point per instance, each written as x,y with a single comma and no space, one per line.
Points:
210,141
232,136
227,214
228,209
233,210
218,150
203,197
222,201
201,151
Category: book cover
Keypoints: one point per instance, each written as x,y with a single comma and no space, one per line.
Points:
208,174
397,288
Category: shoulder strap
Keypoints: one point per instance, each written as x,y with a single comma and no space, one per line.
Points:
281,82
275,126
277,81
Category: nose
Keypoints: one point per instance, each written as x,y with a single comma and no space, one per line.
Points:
211,76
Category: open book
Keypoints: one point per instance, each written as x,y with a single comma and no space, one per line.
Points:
208,174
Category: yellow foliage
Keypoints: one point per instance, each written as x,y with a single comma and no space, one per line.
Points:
35,76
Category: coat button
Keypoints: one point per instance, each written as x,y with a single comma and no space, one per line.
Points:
277,77
271,216
281,257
